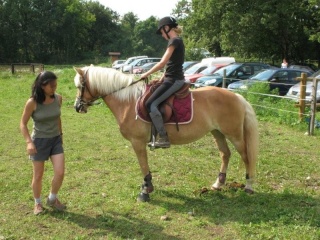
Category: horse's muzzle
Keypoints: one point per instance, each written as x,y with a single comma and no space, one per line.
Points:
79,107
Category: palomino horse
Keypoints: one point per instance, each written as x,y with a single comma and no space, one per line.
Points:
224,114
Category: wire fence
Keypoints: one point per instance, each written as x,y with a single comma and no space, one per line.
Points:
306,103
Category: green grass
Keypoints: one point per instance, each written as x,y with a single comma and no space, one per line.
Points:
103,179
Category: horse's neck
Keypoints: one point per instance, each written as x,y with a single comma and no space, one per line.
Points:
121,109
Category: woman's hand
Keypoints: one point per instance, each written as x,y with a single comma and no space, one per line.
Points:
31,149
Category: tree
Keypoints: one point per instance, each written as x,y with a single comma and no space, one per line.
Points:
254,28
105,31
146,41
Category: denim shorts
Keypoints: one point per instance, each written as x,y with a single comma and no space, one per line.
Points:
46,147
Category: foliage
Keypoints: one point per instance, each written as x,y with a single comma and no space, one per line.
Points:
272,29
269,106
62,31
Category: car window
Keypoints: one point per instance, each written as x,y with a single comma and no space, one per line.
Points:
246,70
208,70
281,76
263,75
229,69
193,69
257,68
295,74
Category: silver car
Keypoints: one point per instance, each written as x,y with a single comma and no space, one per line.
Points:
294,91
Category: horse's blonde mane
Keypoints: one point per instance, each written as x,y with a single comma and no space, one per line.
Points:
110,81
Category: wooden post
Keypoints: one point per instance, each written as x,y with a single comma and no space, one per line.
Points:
12,68
313,106
224,78
302,100
32,67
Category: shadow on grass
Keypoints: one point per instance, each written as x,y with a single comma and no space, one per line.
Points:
116,225
224,206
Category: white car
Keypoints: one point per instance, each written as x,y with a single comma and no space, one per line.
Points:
294,91
137,63
117,62
128,61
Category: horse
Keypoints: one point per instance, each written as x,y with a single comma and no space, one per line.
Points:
224,114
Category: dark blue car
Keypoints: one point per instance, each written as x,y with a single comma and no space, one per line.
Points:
234,72
281,78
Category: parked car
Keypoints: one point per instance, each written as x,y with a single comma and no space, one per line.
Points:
305,65
206,72
194,69
277,78
117,62
143,68
188,64
137,63
302,67
234,72
294,91
207,62
128,61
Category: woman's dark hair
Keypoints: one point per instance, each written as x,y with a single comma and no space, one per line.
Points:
42,79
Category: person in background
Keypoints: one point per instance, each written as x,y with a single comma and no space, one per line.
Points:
44,107
172,79
284,63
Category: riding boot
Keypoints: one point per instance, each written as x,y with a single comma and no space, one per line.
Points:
163,141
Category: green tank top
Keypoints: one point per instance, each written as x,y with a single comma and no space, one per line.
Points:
46,119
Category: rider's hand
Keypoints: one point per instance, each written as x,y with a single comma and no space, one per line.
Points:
144,76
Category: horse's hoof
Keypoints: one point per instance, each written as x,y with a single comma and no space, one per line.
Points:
249,191
215,189
143,197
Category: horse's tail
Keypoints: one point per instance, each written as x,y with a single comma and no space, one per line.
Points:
251,136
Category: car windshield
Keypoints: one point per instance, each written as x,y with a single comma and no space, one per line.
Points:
316,74
208,70
148,65
186,64
229,69
193,69
135,62
264,75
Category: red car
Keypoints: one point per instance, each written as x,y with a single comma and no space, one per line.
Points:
208,71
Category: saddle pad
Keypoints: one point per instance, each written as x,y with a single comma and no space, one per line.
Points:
183,108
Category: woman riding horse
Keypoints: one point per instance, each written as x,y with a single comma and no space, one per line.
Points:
173,77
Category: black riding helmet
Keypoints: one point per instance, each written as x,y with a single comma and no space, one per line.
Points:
166,21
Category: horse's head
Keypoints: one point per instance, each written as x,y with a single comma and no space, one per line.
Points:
84,97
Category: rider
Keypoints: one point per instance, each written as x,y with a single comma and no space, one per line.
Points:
173,77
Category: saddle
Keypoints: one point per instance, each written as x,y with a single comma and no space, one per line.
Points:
168,108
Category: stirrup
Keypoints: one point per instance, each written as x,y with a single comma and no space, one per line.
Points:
162,143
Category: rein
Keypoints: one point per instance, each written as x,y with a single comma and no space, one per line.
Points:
84,87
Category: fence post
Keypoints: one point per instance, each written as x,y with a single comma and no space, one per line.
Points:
12,68
224,78
302,100
313,106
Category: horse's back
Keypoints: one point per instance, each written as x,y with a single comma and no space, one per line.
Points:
220,100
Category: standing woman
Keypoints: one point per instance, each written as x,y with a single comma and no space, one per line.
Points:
44,107
173,77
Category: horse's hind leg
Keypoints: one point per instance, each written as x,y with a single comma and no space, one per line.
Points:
241,148
225,156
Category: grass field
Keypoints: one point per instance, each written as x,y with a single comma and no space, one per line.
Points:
103,179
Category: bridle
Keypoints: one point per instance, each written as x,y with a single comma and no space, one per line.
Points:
81,103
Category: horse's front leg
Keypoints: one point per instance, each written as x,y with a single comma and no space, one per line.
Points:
147,186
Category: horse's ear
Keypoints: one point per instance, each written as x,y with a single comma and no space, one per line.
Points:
78,70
